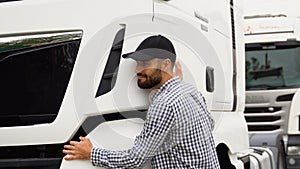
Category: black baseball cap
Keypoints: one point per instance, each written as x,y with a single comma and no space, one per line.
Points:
156,46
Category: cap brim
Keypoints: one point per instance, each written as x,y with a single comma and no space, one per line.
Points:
139,56
148,54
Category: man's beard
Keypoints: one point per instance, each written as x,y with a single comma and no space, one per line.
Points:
151,81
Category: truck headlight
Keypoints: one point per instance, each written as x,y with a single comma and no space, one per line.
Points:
293,150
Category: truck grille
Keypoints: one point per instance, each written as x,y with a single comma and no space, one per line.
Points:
267,111
263,118
262,109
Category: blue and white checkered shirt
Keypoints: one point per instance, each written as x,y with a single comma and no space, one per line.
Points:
177,133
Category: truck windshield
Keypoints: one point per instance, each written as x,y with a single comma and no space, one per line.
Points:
272,65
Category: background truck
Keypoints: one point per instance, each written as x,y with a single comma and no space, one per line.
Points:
272,112
62,75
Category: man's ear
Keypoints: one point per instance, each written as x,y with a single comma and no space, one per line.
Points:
167,65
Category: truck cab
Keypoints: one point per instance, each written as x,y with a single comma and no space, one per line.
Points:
272,44
62,75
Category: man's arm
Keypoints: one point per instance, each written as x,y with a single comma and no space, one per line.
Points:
178,70
159,121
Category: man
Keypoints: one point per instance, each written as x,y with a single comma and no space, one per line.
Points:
177,132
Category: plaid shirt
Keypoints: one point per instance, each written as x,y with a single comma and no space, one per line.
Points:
177,133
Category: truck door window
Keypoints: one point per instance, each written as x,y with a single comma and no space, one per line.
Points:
111,69
35,71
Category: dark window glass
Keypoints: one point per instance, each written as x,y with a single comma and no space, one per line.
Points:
1,1
111,69
34,81
273,65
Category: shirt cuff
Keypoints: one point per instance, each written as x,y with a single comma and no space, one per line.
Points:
96,156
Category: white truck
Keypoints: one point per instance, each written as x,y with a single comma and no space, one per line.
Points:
62,75
272,112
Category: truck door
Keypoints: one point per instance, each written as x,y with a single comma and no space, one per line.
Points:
213,43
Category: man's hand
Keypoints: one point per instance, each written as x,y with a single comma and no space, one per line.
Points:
78,150
178,70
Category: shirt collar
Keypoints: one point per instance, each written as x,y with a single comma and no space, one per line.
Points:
171,82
